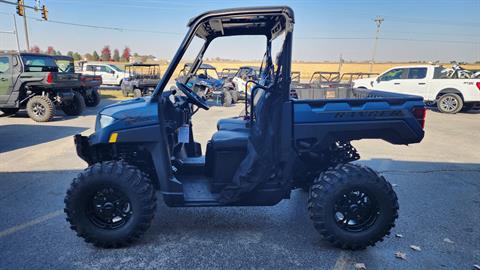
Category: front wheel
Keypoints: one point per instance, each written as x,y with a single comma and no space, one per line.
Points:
137,93
227,99
110,204
352,206
234,95
450,103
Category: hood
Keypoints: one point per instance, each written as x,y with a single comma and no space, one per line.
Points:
133,112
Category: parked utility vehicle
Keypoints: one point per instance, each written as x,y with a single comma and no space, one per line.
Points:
206,83
238,84
141,79
111,74
148,144
32,81
428,81
89,84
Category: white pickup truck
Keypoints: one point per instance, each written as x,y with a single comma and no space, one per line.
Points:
111,74
428,81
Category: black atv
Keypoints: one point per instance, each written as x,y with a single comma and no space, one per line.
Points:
89,84
145,145
141,79
32,81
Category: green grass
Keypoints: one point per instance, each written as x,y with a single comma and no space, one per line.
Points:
112,94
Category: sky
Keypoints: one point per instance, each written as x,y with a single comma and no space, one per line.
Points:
413,30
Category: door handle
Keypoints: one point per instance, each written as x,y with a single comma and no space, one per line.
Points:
421,83
397,83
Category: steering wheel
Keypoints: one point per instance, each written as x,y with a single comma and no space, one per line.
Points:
192,96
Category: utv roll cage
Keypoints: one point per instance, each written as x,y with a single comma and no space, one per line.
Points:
264,21
137,71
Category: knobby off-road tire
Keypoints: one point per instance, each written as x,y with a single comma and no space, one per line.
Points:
92,100
234,95
137,93
40,109
76,106
450,103
135,204
9,111
227,99
352,206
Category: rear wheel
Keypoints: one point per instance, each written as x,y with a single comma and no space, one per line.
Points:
234,95
76,106
227,99
9,111
352,206
92,100
450,103
40,108
110,204
137,93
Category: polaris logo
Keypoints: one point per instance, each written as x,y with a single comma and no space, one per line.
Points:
370,114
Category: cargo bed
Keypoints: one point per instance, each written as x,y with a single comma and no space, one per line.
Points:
326,115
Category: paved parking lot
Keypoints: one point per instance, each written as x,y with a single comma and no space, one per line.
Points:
437,181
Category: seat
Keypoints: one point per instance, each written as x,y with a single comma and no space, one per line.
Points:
228,139
237,123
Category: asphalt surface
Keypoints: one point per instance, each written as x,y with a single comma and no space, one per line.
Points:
437,182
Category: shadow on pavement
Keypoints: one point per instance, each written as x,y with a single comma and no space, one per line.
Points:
437,200
18,136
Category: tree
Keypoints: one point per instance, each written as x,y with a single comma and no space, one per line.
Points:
70,53
116,55
50,50
35,49
95,56
106,54
77,56
126,55
88,56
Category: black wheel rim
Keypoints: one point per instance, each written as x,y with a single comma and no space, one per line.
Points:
355,210
109,208
38,109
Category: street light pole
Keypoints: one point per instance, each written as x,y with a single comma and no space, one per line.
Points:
379,20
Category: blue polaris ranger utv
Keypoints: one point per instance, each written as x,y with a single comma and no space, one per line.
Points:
146,145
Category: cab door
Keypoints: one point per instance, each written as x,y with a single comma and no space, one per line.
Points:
391,81
416,82
6,78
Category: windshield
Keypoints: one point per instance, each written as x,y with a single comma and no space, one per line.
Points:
39,63
211,73
116,68
65,66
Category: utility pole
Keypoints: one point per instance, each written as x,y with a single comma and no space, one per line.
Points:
16,32
378,21
26,31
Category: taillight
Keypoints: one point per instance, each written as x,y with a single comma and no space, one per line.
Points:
478,85
420,113
50,77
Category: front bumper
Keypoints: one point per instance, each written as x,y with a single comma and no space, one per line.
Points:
82,146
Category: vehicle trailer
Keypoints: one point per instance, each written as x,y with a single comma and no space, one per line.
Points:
148,144
32,81
140,79
89,84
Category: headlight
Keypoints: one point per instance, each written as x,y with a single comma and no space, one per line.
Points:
105,120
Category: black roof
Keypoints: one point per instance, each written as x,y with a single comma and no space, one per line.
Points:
242,21
62,57
141,65
202,66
